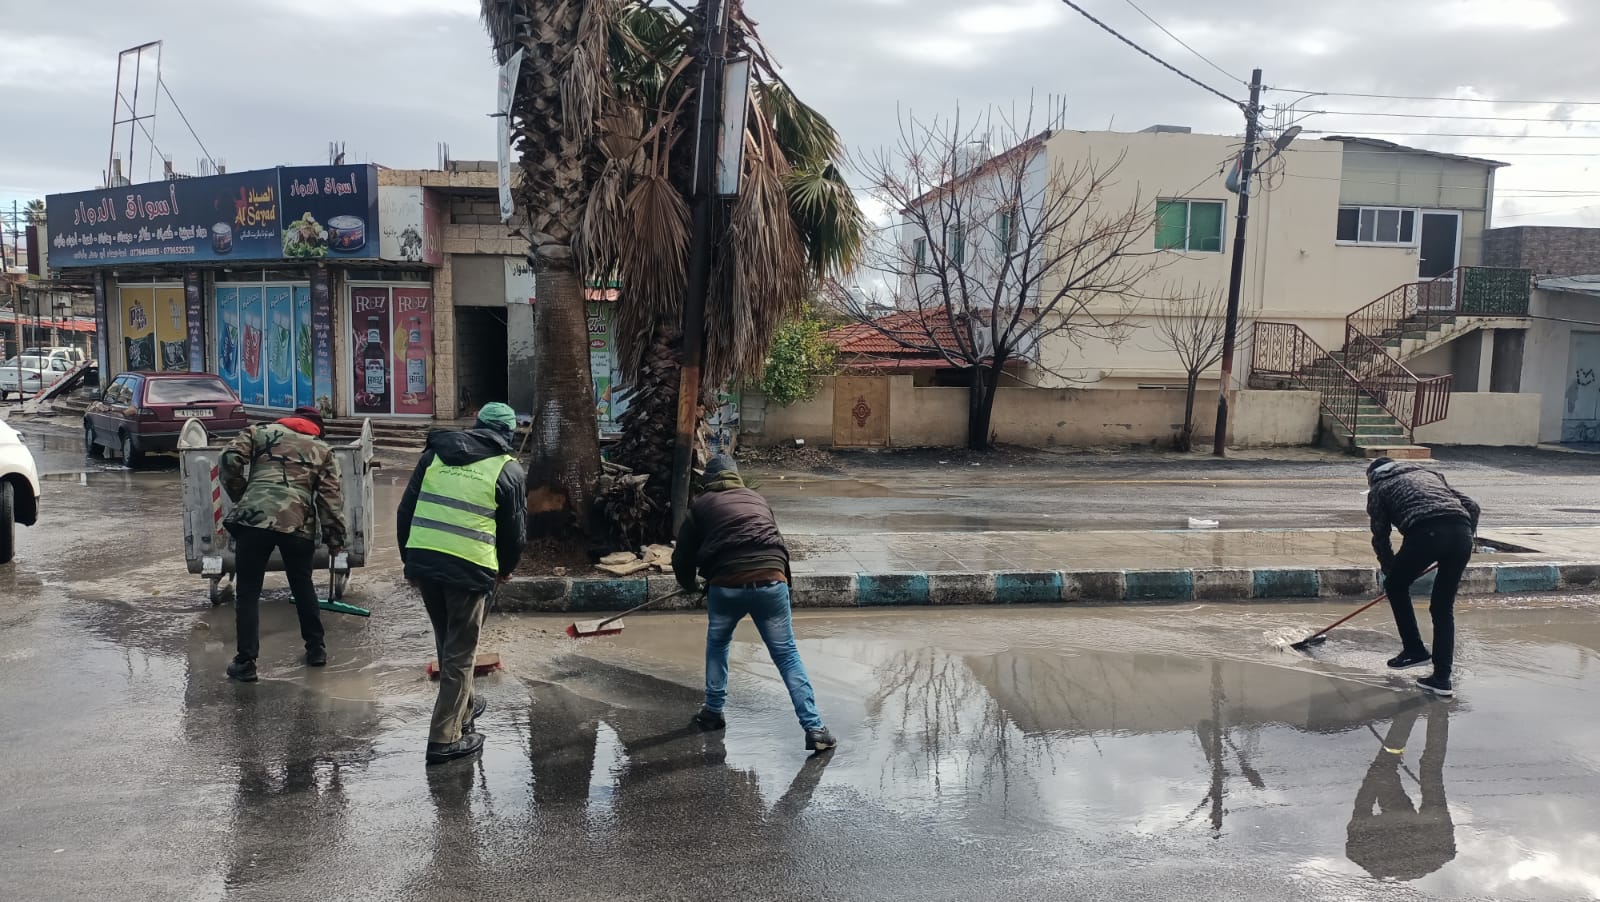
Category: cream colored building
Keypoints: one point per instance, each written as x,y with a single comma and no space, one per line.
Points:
1334,224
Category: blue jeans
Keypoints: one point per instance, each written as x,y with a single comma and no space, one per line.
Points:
769,608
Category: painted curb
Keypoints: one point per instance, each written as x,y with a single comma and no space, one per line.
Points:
845,590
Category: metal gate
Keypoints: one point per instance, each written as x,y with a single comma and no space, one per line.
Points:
861,412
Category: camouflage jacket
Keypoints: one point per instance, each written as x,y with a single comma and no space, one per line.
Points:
292,486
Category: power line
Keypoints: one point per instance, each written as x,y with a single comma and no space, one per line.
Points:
1454,116
186,124
1439,99
1512,192
1311,131
1468,153
1184,44
1168,66
1546,212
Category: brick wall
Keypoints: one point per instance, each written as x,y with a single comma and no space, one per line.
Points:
1547,250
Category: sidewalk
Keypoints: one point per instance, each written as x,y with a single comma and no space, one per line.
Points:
1103,567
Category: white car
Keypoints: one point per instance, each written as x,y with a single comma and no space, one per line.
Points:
30,375
19,490
71,355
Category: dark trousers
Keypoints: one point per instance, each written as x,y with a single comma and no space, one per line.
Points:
1448,543
457,616
252,549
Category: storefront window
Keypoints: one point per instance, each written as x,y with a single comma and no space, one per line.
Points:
267,343
391,346
155,327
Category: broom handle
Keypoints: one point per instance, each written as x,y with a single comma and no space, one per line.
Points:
602,624
1361,610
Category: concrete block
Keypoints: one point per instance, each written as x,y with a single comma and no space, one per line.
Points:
891,589
1159,585
1580,576
1222,585
659,587
823,590
1478,580
1028,587
1348,582
1287,583
1527,578
525,596
1094,585
963,588
460,246
606,594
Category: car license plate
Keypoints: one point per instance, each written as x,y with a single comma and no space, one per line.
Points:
199,413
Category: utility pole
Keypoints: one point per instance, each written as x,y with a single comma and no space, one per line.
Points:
1252,128
713,55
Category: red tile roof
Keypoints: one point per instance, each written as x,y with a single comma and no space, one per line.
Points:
912,327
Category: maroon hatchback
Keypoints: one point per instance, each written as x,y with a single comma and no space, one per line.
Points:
142,413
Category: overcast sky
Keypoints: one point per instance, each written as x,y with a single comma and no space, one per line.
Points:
267,82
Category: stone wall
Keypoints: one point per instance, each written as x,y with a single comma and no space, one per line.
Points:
1547,250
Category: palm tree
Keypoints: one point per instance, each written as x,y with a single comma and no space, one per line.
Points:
605,123
35,212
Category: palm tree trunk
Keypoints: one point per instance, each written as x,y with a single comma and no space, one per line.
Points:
649,428
564,454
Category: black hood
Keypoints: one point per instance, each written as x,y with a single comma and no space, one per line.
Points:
468,446
1392,469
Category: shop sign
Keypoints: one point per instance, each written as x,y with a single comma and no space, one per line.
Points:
217,218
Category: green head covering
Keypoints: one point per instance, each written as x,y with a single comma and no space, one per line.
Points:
498,416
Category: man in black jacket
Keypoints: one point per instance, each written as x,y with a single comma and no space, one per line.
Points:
731,538
1438,524
461,530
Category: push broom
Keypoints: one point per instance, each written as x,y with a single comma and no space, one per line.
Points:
336,606
1321,636
612,625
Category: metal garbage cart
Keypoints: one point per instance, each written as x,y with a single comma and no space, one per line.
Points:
207,545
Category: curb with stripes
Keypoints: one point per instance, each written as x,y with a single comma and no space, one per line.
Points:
846,590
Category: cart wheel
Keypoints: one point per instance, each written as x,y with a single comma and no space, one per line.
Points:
215,592
340,581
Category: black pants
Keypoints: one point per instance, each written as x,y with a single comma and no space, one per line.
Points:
1448,543
252,549
457,616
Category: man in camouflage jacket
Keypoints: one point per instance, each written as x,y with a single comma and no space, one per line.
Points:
292,489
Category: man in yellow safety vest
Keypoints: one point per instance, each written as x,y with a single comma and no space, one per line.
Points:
461,527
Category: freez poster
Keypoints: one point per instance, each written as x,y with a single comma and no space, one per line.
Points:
413,351
369,343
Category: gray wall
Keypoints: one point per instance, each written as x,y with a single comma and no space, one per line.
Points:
478,280
1547,250
1377,177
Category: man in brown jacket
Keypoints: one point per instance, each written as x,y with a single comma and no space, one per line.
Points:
292,488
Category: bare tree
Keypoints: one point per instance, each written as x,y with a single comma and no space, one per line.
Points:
1192,325
996,257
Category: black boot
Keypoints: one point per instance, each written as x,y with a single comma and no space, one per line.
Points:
243,670
316,656
820,740
468,744
710,720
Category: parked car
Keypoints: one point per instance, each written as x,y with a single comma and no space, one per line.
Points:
73,356
19,490
142,413
31,374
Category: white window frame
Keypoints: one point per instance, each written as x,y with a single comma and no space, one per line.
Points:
1188,224
1416,225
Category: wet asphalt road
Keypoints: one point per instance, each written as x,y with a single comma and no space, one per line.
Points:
1095,753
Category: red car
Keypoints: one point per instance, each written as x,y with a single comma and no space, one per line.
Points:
142,413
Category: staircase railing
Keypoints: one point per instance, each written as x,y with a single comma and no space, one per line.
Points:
1463,291
1411,399
1284,352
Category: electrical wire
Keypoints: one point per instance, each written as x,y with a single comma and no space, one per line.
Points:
1164,64
1387,115
186,124
1185,45
1374,134
1511,192
1546,212
1436,99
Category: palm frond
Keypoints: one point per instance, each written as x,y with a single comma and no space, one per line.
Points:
826,215
652,263
805,136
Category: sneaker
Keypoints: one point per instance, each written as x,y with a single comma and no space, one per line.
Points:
468,744
710,720
242,670
820,740
478,707
1407,659
1438,685
317,657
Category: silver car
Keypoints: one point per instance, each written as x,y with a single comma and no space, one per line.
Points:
25,376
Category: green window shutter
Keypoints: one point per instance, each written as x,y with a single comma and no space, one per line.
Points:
1205,226
1172,225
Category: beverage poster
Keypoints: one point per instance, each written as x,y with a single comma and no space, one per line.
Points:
304,349
370,312
252,348
169,313
322,338
194,302
228,337
280,346
138,328
599,317
413,351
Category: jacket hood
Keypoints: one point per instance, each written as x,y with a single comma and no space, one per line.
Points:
1392,469
468,446
721,482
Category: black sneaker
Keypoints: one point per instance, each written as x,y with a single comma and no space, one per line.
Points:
1438,685
478,707
820,740
244,671
317,657
1407,659
468,744
710,720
